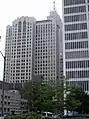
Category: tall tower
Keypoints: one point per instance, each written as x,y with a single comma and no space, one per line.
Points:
21,50
47,47
76,41
35,49
8,52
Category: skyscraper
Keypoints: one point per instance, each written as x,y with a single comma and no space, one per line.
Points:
35,49
8,52
19,50
48,47
76,41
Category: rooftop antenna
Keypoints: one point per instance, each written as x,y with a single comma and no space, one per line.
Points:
54,7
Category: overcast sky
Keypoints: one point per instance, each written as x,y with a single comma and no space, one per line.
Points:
11,9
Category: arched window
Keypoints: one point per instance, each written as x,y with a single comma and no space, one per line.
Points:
24,26
19,26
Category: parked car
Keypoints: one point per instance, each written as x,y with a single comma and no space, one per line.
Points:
47,114
57,116
70,114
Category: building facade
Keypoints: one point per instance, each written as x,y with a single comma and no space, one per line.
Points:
13,104
35,49
48,47
8,52
76,41
19,54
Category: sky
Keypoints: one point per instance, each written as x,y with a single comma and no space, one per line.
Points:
11,9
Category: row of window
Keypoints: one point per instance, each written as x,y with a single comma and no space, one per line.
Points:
81,17
74,45
77,64
45,73
73,2
83,84
22,81
44,25
40,41
77,9
77,74
44,34
79,26
45,67
20,25
76,54
78,35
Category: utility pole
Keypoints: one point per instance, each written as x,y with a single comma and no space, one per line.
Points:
3,82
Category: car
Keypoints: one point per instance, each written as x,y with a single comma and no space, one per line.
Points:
47,114
57,116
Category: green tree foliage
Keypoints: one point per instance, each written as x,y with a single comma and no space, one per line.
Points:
47,97
77,100
31,91
50,96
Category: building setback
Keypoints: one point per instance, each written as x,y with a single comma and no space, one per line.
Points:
76,41
34,48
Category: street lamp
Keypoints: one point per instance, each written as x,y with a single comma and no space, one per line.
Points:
3,82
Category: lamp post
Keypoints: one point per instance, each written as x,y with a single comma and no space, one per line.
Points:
3,82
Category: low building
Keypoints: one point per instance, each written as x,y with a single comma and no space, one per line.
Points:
12,102
24,105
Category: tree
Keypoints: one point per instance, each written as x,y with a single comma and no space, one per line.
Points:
46,102
30,91
51,97
40,96
45,96
77,100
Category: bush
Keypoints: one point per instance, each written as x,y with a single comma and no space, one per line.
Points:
24,116
34,116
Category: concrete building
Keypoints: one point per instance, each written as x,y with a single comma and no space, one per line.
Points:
19,50
76,41
13,104
48,46
34,48
8,52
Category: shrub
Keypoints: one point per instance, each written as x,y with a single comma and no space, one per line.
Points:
25,116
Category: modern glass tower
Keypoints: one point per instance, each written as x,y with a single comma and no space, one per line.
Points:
76,41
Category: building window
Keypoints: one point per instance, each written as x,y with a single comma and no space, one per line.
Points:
79,26
19,26
75,18
74,36
77,64
73,2
76,45
76,54
24,26
83,84
74,9
77,74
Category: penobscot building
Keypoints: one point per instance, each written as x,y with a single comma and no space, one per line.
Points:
76,41
34,48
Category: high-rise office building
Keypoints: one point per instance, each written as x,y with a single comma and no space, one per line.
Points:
8,52
19,50
76,41
34,48
48,47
